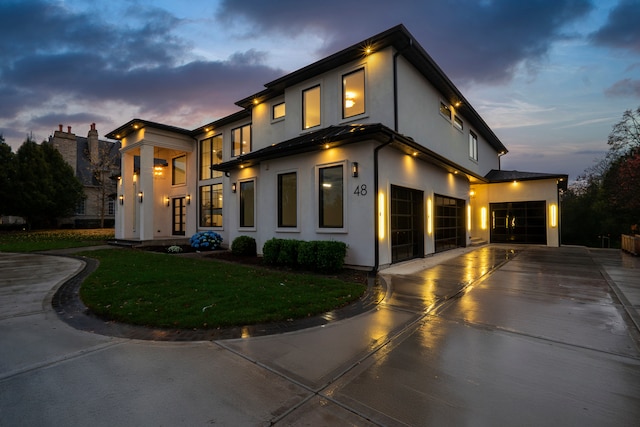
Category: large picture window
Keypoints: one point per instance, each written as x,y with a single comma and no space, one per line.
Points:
211,205
353,94
241,140
179,170
247,204
288,200
311,107
210,154
330,180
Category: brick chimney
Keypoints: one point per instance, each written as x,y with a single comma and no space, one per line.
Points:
65,143
94,145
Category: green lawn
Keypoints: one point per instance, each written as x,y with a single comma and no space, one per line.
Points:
42,240
163,290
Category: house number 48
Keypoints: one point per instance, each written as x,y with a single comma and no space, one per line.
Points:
361,190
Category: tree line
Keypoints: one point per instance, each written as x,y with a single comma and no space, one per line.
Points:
37,184
604,202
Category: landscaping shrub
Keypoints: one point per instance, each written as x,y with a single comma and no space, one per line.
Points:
288,254
244,246
330,256
271,250
205,240
308,254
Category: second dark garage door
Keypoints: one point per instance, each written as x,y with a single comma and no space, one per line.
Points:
519,222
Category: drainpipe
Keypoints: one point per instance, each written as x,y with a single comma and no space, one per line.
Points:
376,243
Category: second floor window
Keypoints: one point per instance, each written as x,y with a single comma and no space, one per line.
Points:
473,146
311,107
241,140
353,94
278,111
210,154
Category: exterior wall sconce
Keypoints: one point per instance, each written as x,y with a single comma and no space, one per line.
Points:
188,198
140,196
233,187
167,201
553,215
354,169
121,198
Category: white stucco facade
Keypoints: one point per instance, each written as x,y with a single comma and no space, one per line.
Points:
415,166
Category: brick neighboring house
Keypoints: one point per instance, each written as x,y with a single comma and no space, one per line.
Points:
96,163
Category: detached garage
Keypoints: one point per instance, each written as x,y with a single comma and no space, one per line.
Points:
517,207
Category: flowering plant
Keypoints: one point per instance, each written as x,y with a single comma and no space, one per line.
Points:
174,249
205,240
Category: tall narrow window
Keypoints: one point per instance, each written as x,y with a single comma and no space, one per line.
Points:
247,204
330,180
311,107
210,154
287,200
241,140
353,94
179,170
211,205
473,146
457,122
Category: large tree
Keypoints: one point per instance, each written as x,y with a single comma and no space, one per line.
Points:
7,173
605,201
45,186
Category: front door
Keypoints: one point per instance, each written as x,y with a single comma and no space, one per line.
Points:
179,216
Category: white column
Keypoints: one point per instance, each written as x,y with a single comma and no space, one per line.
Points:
145,185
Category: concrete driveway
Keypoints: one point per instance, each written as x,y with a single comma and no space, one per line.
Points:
490,336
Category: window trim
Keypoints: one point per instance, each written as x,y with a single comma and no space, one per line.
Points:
241,127
345,204
253,227
303,92
275,119
355,70
279,227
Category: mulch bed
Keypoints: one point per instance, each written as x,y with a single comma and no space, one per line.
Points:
346,274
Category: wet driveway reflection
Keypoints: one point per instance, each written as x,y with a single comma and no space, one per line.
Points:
538,340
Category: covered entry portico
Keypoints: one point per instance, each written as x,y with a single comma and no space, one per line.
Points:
157,167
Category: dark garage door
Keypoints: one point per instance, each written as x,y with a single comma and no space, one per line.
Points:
449,223
519,222
407,223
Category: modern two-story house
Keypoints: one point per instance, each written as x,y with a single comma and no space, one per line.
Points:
373,146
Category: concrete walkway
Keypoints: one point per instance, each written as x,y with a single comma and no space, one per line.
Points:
491,336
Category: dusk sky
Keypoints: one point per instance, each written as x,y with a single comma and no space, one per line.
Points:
551,77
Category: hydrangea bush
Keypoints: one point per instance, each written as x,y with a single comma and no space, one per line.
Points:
205,240
174,249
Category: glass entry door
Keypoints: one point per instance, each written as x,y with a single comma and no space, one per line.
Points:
179,216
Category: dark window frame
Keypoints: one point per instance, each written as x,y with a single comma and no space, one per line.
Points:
237,151
280,201
323,195
304,107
